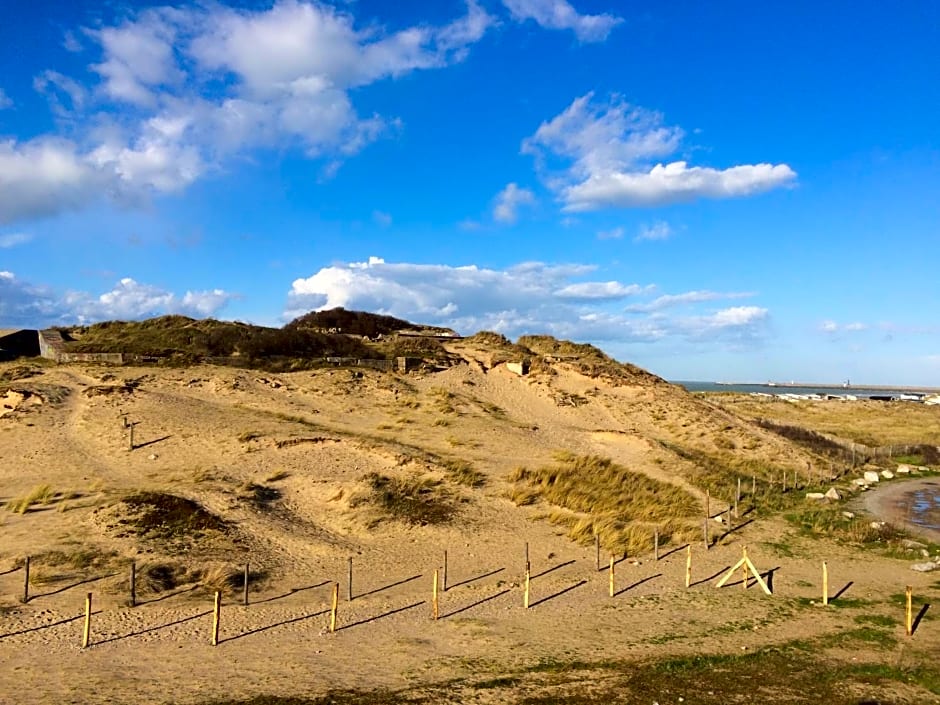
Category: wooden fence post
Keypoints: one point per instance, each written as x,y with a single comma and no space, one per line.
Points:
444,576
247,578
688,566
753,487
133,584
525,596
825,583
737,500
434,603
909,613
216,616
527,564
349,584
86,632
26,581
611,577
333,607
130,442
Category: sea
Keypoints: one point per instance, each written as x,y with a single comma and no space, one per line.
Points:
790,388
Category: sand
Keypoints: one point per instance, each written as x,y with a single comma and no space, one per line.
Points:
205,433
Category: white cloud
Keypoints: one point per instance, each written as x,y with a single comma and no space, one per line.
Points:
559,14
599,290
13,239
5,100
611,151
525,298
28,305
833,328
42,176
208,83
381,218
660,230
139,56
674,183
612,234
56,87
508,202
686,298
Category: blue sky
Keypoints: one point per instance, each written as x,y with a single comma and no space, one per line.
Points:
721,191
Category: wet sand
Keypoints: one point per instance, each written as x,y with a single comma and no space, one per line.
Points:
910,504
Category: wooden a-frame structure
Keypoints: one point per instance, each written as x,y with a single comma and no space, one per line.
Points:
746,563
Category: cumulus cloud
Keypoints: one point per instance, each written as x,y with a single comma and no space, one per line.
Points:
659,230
8,240
5,100
559,14
42,176
29,305
531,297
610,153
209,82
509,201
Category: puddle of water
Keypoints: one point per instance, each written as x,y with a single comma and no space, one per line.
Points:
923,506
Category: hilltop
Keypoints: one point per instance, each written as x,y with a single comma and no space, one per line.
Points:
483,448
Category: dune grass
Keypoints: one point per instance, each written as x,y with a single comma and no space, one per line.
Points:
595,496
40,494
418,500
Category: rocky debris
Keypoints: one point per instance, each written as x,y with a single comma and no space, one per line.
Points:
887,474
878,525
871,477
833,494
815,495
848,515
860,482
911,543
903,469
925,567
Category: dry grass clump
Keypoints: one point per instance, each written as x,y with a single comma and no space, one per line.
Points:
277,476
597,496
463,473
445,402
161,516
260,496
40,494
418,500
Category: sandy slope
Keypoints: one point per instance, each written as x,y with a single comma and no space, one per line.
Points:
204,432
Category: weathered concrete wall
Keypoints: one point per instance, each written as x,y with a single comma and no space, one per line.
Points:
51,344
520,368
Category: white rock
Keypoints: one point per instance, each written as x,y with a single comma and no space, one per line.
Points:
887,474
153,456
860,482
815,495
877,524
925,567
833,494
848,515
903,469
871,477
